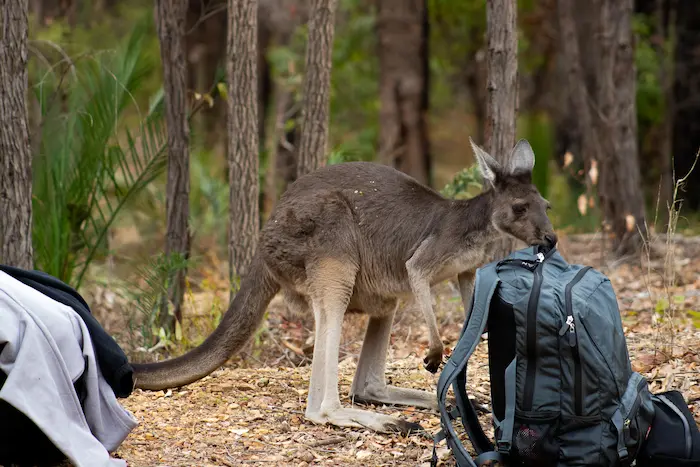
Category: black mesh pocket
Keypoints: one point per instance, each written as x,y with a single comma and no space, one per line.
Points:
535,439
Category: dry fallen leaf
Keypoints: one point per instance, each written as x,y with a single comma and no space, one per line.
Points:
582,205
593,172
568,159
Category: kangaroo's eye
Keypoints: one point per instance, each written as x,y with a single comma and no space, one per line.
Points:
519,209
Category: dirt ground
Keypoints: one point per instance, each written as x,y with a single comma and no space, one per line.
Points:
251,411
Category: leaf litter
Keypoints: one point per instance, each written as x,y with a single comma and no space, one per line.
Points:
251,411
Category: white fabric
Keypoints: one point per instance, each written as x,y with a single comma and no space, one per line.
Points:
48,348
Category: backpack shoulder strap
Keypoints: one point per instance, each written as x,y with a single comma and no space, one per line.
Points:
455,371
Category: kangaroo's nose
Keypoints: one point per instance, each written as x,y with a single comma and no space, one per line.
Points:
551,238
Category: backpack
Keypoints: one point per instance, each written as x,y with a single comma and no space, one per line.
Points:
674,439
563,392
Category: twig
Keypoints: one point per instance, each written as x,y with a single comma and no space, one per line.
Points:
222,460
205,16
326,442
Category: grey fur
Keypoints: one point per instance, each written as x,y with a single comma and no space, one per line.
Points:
358,237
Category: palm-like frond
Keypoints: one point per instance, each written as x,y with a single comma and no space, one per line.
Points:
87,167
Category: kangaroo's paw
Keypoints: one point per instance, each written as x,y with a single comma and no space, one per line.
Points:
433,360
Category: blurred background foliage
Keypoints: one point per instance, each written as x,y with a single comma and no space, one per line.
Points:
96,78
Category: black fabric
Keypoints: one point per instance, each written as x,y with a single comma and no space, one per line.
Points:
22,443
666,444
501,350
111,359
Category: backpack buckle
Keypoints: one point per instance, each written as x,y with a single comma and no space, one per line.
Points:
503,446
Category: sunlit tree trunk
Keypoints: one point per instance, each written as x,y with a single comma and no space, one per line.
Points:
402,30
170,21
15,154
502,87
242,71
312,152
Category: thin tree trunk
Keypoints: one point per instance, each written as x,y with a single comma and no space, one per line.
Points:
287,148
665,29
242,68
502,63
577,89
686,95
502,98
15,154
312,152
281,98
170,20
623,200
403,86
578,95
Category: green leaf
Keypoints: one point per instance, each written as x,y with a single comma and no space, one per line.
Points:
178,330
661,305
221,87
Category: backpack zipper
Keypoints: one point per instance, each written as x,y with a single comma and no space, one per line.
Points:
570,326
531,336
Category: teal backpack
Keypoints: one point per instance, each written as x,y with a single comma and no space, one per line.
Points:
563,392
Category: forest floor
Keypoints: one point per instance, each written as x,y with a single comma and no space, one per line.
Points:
251,410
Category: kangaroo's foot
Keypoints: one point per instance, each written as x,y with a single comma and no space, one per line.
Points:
356,418
391,395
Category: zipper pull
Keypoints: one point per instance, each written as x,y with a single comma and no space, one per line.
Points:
572,330
540,257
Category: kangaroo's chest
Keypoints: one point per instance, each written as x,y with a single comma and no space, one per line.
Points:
464,261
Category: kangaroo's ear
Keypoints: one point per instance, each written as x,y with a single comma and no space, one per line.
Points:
489,167
522,159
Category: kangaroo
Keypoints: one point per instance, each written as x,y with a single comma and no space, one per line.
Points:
357,237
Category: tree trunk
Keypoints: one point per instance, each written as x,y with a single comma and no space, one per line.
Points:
170,20
15,155
312,152
402,30
502,86
620,188
686,95
242,69
607,118
664,21
282,97
577,89
206,49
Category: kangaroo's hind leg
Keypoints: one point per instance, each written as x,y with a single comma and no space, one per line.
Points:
369,384
333,283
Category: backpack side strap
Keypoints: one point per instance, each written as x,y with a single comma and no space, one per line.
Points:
456,369
504,441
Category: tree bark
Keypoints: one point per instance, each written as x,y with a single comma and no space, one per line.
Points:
242,69
170,21
502,86
620,184
607,118
502,65
312,152
15,154
664,20
402,30
577,89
